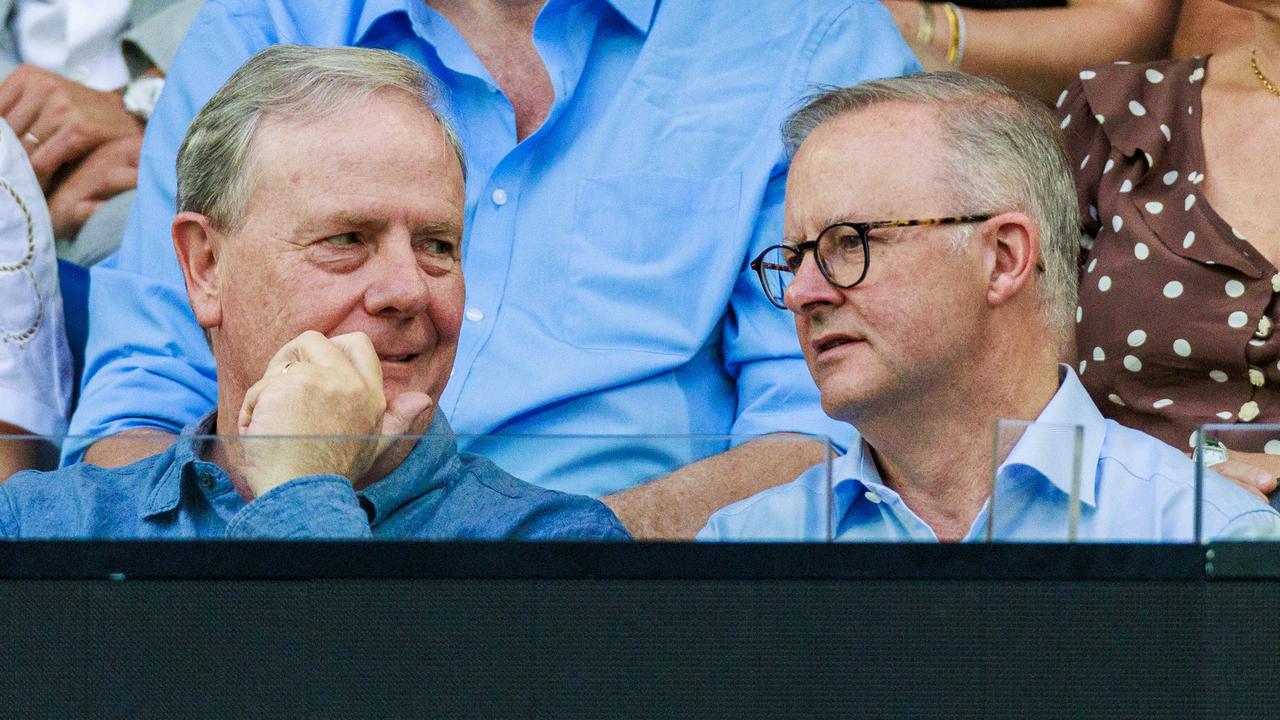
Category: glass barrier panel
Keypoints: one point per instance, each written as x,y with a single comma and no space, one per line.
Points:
431,487
1236,468
1037,483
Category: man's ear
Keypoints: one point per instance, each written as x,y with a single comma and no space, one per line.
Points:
195,241
1012,245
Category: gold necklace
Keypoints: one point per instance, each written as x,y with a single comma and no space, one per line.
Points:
1253,62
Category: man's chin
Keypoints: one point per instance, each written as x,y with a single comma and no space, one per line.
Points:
847,401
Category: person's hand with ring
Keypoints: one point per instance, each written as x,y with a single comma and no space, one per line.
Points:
319,386
61,120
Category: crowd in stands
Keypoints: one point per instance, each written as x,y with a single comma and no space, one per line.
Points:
636,220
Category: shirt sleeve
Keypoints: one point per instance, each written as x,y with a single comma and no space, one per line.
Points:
570,517
1088,150
146,361
1262,524
154,40
776,393
311,507
712,531
8,518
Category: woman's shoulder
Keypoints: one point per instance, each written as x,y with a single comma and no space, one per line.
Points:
1124,93
1140,107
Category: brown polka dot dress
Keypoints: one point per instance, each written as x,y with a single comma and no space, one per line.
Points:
1174,327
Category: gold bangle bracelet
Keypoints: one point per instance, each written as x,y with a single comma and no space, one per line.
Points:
953,24
924,31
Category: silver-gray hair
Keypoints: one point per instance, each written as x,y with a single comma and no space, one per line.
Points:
215,176
1006,152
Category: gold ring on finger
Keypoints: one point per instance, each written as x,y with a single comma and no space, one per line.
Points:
30,137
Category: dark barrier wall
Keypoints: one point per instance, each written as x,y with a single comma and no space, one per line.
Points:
564,631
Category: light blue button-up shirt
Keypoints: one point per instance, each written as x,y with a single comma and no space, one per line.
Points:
606,255
1133,488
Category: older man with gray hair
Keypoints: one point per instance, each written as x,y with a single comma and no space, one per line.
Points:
319,233
929,259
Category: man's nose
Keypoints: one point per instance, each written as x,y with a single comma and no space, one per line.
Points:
398,285
809,288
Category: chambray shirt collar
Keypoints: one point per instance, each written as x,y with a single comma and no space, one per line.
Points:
427,467
638,13
1045,455
166,488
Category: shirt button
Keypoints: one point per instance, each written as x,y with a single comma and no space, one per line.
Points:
1248,411
475,315
1264,328
872,497
499,197
1275,283
206,481
1256,378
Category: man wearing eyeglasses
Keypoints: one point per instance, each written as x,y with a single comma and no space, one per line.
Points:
929,259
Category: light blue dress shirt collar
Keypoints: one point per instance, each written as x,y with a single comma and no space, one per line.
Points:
1042,460
1049,454
639,13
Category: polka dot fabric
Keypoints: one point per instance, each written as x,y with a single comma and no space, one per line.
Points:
1176,307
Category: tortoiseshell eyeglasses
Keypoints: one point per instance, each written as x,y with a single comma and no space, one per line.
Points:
842,252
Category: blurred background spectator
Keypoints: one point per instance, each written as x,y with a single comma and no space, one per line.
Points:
1176,167
1207,26
1036,46
80,80
35,365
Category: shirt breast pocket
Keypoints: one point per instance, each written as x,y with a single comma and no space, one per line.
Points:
652,261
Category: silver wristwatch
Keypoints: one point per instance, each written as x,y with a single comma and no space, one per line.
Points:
141,94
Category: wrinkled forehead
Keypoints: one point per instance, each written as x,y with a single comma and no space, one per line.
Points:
391,152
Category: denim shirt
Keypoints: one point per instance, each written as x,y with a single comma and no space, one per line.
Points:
437,493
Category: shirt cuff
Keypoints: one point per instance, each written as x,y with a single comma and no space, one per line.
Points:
310,507
31,413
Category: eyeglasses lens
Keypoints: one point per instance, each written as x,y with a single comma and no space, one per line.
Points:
776,273
843,254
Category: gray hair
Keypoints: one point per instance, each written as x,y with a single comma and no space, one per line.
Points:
1005,150
214,173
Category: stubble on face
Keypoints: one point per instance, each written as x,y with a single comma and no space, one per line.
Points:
909,314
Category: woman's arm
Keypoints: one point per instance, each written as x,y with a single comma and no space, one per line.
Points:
1039,51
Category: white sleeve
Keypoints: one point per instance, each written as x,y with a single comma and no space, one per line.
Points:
35,362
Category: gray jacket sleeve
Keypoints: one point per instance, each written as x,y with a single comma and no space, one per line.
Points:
156,31
8,43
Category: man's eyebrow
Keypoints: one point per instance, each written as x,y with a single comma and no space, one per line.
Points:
336,221
794,240
348,222
439,227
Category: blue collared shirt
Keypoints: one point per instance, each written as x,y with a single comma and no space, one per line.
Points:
435,494
606,257
1133,488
